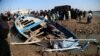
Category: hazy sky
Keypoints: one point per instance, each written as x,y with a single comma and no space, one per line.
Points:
48,4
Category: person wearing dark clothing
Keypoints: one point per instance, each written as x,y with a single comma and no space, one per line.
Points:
62,15
33,13
89,18
84,14
59,15
66,14
77,14
80,16
4,17
73,13
48,14
9,15
4,47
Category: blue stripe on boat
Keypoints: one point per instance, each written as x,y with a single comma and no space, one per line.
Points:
31,26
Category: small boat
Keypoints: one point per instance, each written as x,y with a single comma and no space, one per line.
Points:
51,35
28,27
35,29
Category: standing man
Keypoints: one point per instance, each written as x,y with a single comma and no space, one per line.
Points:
84,13
80,16
89,18
69,14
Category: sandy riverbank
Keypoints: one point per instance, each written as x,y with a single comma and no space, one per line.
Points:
74,26
82,27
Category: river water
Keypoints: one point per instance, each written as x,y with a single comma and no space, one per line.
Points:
96,13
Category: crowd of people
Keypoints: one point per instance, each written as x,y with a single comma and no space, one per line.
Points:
64,14
60,15
53,15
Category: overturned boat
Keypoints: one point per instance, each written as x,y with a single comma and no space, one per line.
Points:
49,34
28,28
33,30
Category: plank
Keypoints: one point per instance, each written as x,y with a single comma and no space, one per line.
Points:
63,49
26,42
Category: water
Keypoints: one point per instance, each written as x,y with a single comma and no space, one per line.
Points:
96,13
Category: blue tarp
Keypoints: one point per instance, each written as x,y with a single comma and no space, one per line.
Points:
69,43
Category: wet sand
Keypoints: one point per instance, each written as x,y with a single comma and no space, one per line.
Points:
82,30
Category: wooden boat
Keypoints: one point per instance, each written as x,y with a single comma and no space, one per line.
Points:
36,29
51,35
27,27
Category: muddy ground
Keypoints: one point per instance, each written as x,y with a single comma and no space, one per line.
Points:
76,27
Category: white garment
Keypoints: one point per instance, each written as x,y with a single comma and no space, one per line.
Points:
69,14
90,14
46,17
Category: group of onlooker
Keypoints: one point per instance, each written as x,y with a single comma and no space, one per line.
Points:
53,15
64,15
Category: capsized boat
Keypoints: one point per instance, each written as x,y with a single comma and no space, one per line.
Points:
36,29
51,35
28,27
